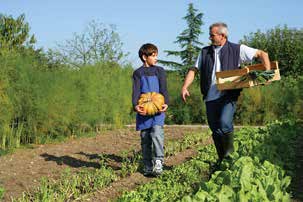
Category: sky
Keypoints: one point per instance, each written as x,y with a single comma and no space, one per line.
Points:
158,21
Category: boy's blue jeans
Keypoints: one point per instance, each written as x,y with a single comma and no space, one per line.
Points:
152,141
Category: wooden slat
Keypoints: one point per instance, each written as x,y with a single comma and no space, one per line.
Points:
228,73
234,85
273,65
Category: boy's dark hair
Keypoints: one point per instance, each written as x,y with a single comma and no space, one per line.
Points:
147,49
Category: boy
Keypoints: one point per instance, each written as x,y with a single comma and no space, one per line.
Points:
150,78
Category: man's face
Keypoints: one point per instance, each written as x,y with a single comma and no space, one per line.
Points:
151,60
216,38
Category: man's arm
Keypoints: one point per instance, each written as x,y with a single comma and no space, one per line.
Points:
187,82
263,56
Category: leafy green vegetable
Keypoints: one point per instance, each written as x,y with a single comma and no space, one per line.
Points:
258,76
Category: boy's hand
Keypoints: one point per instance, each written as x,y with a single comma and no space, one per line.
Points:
140,110
164,108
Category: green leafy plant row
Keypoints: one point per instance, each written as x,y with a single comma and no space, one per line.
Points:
258,164
258,170
173,184
246,180
71,186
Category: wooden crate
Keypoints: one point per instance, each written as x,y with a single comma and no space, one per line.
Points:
231,79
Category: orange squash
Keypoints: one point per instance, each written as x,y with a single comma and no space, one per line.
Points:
152,102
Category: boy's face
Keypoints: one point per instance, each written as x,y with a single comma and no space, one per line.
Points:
150,60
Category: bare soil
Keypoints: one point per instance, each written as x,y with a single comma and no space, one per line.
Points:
22,170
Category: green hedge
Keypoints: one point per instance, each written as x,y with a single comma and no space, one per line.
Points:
39,104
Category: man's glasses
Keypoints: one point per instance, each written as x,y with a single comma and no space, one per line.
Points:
212,35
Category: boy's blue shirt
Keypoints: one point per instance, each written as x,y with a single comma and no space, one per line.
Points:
149,79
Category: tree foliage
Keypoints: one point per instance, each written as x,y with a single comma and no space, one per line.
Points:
98,43
282,44
38,105
14,33
188,40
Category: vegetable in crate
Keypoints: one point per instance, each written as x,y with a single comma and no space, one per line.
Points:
258,76
151,102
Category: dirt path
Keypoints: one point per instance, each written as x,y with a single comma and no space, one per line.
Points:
23,170
137,179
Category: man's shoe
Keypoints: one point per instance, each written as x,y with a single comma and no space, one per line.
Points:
158,168
228,144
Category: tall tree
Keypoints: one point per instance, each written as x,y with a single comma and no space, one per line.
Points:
188,40
97,43
14,33
282,44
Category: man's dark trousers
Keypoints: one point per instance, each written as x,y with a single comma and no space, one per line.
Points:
220,114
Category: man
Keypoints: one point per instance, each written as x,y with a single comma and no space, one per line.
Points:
220,105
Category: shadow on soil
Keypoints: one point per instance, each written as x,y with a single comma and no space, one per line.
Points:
106,157
112,160
70,161
115,161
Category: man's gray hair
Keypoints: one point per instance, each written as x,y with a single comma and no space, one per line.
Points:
222,28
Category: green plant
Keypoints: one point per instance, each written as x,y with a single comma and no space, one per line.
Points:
71,186
246,180
130,164
258,76
1,192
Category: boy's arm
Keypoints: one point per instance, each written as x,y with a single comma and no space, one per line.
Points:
136,89
163,85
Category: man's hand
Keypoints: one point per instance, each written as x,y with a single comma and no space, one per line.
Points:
264,58
164,108
188,80
140,110
184,93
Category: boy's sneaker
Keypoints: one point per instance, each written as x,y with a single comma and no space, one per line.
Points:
158,167
148,171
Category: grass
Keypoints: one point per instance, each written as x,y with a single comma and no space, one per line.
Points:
55,140
1,192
